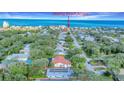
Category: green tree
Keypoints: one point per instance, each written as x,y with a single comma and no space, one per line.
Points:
36,54
74,51
68,39
94,77
78,64
91,48
49,51
37,72
115,62
40,62
7,42
77,59
16,71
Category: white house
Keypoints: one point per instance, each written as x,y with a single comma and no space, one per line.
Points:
5,24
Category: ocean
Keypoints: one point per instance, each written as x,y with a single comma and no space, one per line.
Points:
73,23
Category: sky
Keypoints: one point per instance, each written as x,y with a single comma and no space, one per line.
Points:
54,16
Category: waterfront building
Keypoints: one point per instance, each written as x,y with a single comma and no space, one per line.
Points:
5,24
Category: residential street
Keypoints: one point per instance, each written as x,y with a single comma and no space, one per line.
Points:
75,41
78,46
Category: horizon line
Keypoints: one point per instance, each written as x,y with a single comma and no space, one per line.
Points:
63,19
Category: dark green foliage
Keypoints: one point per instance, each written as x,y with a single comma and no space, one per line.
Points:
68,39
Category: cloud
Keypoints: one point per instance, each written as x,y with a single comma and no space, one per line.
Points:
49,15
92,17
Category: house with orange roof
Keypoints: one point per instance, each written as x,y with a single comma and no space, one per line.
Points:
60,62
61,69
